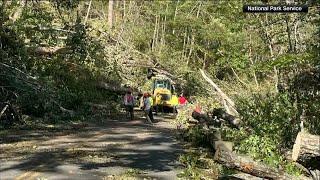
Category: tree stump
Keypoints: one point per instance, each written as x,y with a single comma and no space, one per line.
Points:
225,145
306,150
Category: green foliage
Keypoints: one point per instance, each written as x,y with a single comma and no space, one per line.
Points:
261,148
269,127
196,136
273,116
78,42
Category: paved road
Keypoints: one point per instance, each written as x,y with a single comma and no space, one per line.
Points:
118,148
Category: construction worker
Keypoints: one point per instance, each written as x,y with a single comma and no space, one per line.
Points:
175,102
151,108
147,107
182,100
128,101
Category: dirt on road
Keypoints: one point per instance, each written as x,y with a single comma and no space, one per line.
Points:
115,149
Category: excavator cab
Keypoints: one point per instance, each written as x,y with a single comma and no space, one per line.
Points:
163,91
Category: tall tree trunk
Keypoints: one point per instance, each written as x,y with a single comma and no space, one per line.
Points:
204,61
157,30
88,12
295,36
154,34
191,45
250,58
110,14
163,40
175,15
287,19
184,45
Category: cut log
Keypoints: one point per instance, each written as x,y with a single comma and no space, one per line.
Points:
248,165
315,174
225,145
306,150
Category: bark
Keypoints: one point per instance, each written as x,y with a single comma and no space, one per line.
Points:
306,150
248,165
110,14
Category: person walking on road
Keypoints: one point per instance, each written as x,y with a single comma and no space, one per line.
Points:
175,103
151,108
129,103
147,107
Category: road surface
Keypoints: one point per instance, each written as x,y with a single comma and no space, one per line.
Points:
114,150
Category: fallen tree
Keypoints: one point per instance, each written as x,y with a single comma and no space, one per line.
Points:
248,165
225,100
112,87
306,150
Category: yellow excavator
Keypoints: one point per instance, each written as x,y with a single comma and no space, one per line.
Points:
163,92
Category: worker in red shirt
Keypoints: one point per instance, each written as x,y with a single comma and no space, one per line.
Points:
182,100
